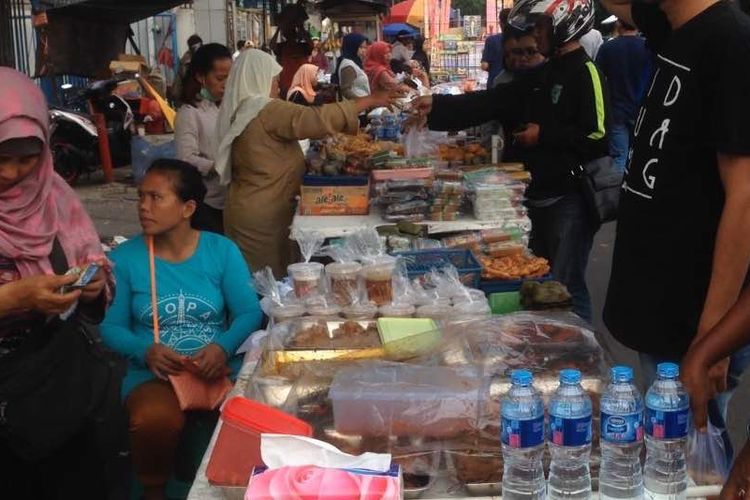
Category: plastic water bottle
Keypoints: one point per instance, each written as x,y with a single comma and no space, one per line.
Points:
523,439
667,421
621,440
570,439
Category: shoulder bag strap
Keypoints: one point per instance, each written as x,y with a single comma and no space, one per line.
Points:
154,305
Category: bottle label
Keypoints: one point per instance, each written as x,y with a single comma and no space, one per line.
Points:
622,428
667,424
523,433
570,431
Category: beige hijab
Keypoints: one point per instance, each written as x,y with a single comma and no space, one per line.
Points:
247,93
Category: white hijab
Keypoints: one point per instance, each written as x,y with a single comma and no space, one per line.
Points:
247,93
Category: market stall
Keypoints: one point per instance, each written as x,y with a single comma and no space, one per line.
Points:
386,338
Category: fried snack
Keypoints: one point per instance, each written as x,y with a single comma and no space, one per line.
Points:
514,267
344,145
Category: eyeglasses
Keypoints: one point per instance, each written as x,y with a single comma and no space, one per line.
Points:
528,51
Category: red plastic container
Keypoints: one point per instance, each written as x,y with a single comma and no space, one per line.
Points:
237,448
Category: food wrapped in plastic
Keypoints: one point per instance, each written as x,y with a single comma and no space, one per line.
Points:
468,240
344,281
322,305
506,249
397,310
384,399
378,277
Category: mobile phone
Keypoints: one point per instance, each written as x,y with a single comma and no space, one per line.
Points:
85,277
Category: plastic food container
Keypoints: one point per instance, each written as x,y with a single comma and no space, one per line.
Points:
405,400
286,312
361,311
379,281
306,277
344,278
397,311
433,311
237,449
506,249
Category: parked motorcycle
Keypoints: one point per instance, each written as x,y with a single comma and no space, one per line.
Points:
75,138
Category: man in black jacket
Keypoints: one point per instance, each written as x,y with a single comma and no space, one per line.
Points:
558,112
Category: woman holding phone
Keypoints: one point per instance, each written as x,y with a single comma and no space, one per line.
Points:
44,231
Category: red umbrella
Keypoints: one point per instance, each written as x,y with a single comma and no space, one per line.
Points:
408,11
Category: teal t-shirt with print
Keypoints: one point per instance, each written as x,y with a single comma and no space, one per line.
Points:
207,298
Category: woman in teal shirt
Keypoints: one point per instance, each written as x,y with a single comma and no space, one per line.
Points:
207,306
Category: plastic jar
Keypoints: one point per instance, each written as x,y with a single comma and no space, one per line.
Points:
379,281
344,278
306,277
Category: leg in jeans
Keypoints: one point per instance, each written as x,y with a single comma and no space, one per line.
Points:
156,422
563,234
619,144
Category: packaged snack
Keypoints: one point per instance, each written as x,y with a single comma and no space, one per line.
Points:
344,281
379,280
306,277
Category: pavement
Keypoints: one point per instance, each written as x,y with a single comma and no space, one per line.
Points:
113,209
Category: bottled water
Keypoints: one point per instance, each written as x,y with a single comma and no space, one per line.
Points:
570,439
667,420
523,439
621,440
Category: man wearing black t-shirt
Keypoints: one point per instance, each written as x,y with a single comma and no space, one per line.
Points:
682,247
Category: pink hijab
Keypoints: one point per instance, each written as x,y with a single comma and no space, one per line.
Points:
42,206
304,81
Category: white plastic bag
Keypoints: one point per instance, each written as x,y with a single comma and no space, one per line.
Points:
707,459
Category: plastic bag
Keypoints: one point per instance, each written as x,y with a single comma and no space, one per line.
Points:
707,460
310,242
418,142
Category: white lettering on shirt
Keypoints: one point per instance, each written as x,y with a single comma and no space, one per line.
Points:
662,131
676,84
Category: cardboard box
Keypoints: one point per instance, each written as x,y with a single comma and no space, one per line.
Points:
128,63
335,196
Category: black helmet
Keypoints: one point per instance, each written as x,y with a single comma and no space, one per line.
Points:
571,19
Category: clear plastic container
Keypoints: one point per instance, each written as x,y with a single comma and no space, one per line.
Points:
237,449
306,277
382,399
397,310
344,277
433,311
361,311
379,281
285,312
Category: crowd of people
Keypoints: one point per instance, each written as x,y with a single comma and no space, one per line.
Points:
665,98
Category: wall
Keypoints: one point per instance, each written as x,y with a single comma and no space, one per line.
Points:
211,20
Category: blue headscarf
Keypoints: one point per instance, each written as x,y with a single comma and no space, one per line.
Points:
349,47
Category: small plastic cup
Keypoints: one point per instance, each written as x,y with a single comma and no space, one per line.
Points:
306,277
379,281
344,278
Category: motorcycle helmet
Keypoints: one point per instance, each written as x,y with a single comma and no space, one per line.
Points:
571,19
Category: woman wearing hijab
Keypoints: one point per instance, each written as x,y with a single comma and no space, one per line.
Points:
349,74
303,86
260,158
378,68
44,231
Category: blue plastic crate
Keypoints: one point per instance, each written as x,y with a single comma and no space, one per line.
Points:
501,286
420,262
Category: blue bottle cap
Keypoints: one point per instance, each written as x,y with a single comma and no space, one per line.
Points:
569,376
667,370
622,374
521,377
